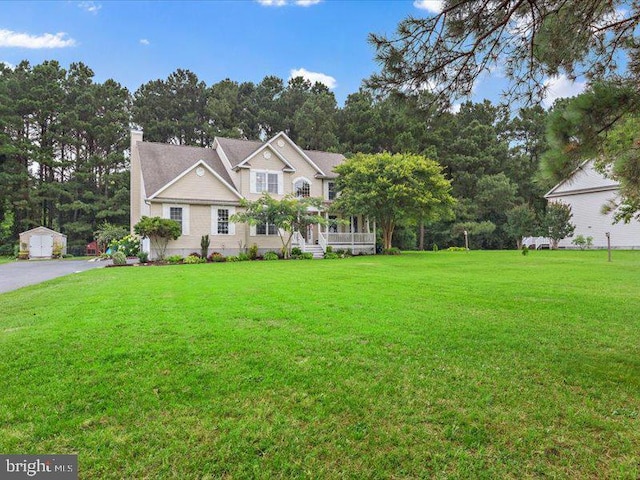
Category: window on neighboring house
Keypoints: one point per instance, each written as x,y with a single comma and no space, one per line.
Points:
223,221
331,190
266,229
301,188
266,182
175,213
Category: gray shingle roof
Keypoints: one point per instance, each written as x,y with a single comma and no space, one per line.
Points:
161,163
237,150
326,161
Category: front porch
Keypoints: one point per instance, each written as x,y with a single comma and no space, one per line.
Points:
358,236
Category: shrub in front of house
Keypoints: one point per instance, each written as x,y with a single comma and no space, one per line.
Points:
253,252
193,259
331,255
174,259
217,257
119,258
243,257
306,256
270,256
143,257
391,251
296,252
232,258
129,245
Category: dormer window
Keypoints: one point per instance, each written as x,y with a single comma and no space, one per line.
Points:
301,188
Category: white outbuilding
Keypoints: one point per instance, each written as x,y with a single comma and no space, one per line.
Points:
586,191
42,242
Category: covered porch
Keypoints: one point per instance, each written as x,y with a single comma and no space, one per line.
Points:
356,234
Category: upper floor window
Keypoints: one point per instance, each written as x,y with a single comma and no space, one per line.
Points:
301,188
331,190
265,182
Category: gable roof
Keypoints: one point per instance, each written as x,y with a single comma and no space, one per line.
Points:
326,161
201,163
42,229
583,179
238,150
162,163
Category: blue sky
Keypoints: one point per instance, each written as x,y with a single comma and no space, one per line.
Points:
244,40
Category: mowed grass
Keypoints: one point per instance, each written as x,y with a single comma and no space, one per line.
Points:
427,365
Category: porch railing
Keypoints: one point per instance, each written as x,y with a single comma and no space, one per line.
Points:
298,240
350,238
322,241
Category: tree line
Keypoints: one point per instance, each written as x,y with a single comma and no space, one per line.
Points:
64,140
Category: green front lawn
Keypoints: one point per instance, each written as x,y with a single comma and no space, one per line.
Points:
6,260
445,365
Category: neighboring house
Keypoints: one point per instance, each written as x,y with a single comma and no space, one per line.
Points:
41,242
586,191
201,188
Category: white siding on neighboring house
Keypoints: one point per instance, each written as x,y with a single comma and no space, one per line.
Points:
586,191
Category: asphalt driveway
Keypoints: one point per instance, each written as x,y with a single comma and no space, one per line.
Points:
14,275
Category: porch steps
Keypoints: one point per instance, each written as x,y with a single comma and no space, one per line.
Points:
316,250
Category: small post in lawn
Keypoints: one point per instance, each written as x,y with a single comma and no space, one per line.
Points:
608,246
466,240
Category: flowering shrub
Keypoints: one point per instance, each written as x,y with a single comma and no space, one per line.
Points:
129,245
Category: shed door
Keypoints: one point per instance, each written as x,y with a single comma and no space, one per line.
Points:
41,245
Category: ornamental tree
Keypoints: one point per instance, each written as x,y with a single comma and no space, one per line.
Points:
521,222
159,231
289,215
556,223
393,189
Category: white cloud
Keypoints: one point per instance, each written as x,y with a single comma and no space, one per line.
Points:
560,87
9,38
431,6
144,41
272,3
314,77
283,3
91,7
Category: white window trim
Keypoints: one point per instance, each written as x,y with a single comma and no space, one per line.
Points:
254,233
166,213
326,190
252,180
214,220
296,180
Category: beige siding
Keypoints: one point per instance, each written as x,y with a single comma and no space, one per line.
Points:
302,166
207,187
137,193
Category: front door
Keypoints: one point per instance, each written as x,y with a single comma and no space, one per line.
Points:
309,236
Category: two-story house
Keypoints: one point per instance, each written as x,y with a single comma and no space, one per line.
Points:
201,188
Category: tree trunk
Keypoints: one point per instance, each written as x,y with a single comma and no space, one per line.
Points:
421,243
